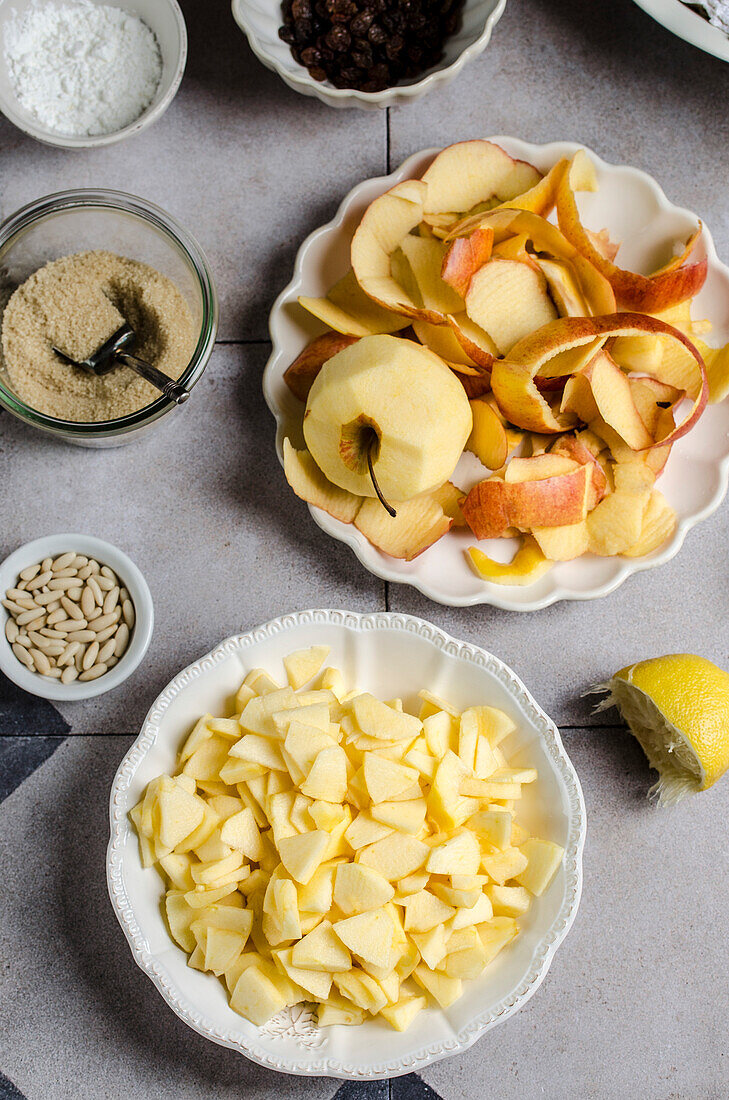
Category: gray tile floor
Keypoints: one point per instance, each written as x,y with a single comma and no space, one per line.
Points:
636,999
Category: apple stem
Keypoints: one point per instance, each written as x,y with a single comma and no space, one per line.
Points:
388,507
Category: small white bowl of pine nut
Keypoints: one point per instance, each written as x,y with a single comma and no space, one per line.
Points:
76,617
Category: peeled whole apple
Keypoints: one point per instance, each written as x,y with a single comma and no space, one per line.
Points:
395,400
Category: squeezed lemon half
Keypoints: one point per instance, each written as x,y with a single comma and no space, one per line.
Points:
678,709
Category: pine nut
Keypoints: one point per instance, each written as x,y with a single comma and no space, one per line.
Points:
106,651
52,649
112,661
80,560
28,604
128,611
70,572
23,640
111,600
69,675
98,596
30,572
11,630
13,607
93,673
56,616
39,581
94,565
104,583
87,601
74,593
64,561
85,572
53,605
70,624
15,594
53,633
23,655
107,571
90,656
46,565
40,661
121,640
44,598
72,609
69,653
39,639
53,674
62,584
80,636
29,616
104,635
78,661
105,620
94,614
123,594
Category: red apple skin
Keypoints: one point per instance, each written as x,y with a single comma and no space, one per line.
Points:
493,506
464,257
574,448
300,376
512,379
641,293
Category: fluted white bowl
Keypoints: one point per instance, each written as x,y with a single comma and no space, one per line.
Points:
390,655
260,21
634,209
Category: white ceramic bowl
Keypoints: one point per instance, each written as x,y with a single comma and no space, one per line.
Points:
106,554
632,206
689,25
260,21
390,655
162,16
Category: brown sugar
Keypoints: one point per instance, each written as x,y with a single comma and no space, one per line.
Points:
75,303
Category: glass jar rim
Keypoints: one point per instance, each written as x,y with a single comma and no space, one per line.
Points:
100,199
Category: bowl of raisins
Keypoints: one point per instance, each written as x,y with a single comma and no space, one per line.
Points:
367,53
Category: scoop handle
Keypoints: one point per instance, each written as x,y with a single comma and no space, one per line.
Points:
167,385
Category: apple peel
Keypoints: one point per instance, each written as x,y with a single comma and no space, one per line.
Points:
310,484
642,293
527,565
304,369
512,379
494,505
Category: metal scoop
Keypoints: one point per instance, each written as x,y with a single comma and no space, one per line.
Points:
112,351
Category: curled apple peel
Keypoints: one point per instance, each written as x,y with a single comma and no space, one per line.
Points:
513,379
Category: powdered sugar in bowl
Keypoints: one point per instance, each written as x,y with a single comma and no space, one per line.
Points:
144,42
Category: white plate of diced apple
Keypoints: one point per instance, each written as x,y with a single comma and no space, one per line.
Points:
500,374
345,844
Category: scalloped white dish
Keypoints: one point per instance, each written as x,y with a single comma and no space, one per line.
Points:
389,655
689,25
632,206
260,20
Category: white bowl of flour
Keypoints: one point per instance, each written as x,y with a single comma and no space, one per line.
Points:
84,73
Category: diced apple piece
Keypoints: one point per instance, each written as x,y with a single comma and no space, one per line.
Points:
509,901
544,859
378,720
301,854
358,889
405,817
367,935
327,779
467,916
505,865
180,814
362,990
179,918
304,743
207,759
304,664
442,989
494,826
401,1014
385,779
466,955
495,934
446,805
310,484
509,300
344,1013
459,855
364,830
424,911
241,832
255,997
395,856
201,731
321,950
